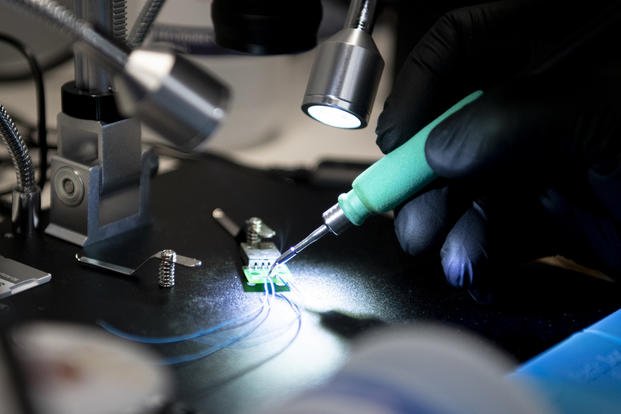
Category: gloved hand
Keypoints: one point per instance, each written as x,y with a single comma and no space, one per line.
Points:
530,169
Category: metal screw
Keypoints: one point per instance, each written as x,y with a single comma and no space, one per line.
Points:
253,230
166,273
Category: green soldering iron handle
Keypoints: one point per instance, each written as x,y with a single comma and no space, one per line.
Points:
396,177
380,188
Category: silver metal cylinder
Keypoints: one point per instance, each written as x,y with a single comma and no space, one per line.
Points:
346,74
110,18
182,102
335,220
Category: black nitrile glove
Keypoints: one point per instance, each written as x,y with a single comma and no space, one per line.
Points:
530,169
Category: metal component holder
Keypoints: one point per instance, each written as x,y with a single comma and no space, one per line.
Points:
100,180
100,177
128,271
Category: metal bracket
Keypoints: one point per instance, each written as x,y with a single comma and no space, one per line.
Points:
128,271
100,180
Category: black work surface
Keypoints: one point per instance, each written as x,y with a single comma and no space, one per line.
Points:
361,273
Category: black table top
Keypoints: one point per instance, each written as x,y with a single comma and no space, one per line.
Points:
362,273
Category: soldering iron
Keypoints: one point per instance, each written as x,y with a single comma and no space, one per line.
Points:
387,183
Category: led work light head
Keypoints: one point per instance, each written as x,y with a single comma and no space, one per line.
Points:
346,73
181,101
171,94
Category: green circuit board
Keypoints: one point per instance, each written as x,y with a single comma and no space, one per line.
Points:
256,278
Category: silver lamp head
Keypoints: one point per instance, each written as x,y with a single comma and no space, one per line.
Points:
346,73
172,95
169,93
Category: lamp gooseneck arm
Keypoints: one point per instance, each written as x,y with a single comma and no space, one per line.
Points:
361,15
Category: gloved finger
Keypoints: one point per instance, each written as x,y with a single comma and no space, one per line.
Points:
491,235
466,49
512,134
423,222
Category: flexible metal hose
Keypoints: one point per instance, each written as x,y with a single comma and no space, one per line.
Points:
145,20
18,151
361,14
58,16
119,20
37,75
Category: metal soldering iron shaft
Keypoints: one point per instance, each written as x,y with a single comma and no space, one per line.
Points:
334,221
307,241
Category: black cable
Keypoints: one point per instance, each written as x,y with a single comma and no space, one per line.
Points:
37,75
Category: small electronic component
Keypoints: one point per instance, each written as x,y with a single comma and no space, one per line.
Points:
16,277
258,260
258,254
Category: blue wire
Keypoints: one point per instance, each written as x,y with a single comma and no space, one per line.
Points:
247,318
293,305
213,349
272,287
294,290
240,320
271,335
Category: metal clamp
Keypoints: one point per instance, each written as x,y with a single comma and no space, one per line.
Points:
127,271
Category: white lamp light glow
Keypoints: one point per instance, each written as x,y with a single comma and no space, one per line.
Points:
333,116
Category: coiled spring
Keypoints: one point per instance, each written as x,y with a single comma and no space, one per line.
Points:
119,20
166,273
253,230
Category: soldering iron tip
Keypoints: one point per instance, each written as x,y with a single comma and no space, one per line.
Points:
272,267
